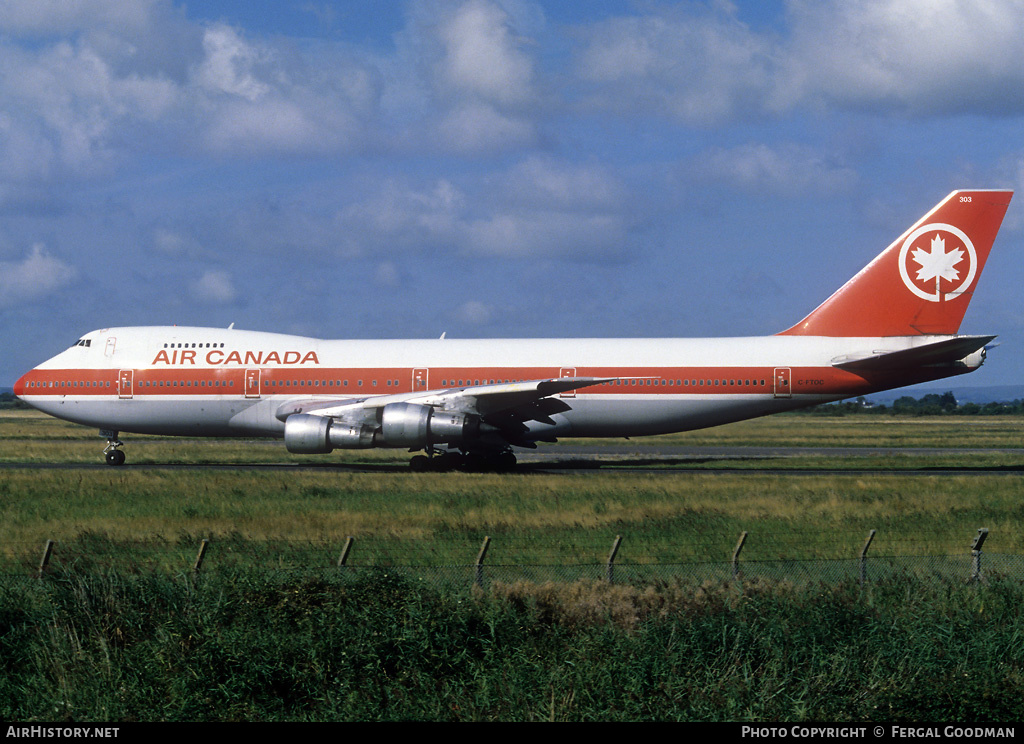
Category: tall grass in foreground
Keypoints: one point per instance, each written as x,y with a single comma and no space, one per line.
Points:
439,519
250,646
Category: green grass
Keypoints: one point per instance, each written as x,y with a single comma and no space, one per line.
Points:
157,515
854,431
253,647
120,629
440,519
30,436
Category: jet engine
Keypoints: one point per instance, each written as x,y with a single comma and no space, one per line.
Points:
414,426
308,434
401,425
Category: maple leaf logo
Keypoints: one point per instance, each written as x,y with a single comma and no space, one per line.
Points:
957,266
938,264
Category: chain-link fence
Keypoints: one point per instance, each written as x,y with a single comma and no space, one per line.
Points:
426,562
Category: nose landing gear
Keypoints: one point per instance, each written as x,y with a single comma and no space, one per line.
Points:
112,452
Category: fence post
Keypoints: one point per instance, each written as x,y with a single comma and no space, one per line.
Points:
736,555
864,558
611,559
47,552
199,558
343,558
976,544
480,561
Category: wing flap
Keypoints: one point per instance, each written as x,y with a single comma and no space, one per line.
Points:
486,399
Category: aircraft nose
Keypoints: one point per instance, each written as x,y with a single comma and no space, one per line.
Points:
21,385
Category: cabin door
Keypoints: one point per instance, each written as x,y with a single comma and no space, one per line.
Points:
783,380
125,378
567,372
252,383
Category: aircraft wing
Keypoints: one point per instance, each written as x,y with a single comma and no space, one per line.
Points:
938,352
523,401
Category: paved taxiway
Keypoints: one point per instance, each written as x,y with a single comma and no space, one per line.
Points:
605,458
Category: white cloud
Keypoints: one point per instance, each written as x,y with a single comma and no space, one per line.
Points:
475,72
230,64
924,56
92,90
401,217
549,207
69,16
704,66
548,182
85,85
540,206
254,98
387,274
483,57
550,234
474,313
480,127
699,67
786,169
176,244
37,276
65,103
214,287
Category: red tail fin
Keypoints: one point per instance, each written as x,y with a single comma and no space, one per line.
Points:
922,283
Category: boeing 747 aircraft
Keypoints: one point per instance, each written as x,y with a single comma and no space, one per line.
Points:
469,403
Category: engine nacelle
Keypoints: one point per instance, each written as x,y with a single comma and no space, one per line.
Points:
975,359
308,434
402,425
414,426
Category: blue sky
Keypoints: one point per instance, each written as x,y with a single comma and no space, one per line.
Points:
490,168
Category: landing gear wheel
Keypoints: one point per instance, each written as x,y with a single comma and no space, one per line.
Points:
112,452
475,462
447,461
419,464
506,462
115,457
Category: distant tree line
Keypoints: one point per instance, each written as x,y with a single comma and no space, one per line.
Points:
7,400
932,404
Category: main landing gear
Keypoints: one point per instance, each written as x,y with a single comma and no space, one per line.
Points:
471,462
113,452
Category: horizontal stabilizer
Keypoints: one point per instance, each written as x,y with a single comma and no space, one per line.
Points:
939,352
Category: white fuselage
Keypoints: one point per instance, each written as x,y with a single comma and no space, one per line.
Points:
215,382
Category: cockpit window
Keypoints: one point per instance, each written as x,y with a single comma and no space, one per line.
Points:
83,342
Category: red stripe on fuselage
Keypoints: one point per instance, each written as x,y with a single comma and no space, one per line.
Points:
219,381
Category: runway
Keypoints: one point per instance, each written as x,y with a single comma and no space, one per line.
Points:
756,460
653,459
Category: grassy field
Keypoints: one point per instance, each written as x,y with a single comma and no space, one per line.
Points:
121,629
304,508
247,646
1005,432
